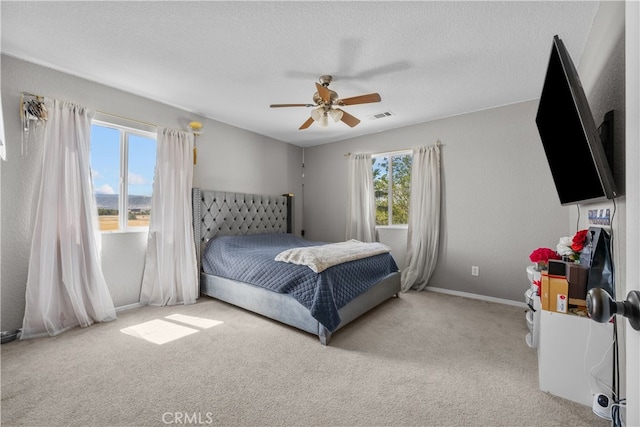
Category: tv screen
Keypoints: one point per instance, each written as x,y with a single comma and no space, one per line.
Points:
571,140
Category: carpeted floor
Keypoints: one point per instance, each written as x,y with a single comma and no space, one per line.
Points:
423,359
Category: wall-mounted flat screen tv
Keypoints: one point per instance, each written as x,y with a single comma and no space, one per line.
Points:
572,143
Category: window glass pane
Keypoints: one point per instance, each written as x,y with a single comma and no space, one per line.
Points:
381,187
142,161
401,168
391,181
105,172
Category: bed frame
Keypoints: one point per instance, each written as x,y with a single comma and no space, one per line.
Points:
223,213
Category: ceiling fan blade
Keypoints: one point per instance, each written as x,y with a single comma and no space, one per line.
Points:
323,92
361,99
306,124
291,105
348,118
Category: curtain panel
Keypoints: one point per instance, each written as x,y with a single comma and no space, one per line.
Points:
424,218
65,282
170,274
361,204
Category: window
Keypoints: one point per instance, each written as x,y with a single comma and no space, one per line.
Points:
391,179
123,161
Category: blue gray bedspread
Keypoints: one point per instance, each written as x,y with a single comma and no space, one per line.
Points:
250,259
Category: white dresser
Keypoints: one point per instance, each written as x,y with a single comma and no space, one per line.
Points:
575,354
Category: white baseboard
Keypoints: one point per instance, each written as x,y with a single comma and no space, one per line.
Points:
476,296
128,306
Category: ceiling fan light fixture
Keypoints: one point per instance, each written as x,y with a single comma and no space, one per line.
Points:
316,113
336,115
325,100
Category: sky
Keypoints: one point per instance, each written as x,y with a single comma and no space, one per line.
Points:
105,162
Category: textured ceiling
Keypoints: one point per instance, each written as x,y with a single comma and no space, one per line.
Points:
230,60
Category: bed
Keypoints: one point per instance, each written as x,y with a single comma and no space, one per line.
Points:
264,222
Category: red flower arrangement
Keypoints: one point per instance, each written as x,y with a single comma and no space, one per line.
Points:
571,247
579,240
543,255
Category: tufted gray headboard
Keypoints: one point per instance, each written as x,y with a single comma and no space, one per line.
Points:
224,213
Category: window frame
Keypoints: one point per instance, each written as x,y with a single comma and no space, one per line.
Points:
125,127
390,155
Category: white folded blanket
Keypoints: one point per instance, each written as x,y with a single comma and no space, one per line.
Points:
319,258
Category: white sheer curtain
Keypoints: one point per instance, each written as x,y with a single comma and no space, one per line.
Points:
361,204
65,283
170,273
424,218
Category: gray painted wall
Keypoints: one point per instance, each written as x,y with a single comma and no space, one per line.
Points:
499,202
228,158
499,199
602,73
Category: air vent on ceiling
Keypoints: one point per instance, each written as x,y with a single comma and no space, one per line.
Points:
380,115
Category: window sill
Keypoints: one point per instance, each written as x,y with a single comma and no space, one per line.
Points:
131,231
393,227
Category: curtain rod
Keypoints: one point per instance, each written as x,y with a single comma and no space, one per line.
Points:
127,118
438,143
102,112
153,125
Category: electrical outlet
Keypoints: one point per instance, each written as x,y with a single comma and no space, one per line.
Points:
475,270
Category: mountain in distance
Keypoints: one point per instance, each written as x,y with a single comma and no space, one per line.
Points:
110,201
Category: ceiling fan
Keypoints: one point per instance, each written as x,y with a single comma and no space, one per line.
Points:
326,101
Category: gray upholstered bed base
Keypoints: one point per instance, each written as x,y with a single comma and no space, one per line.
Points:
232,213
285,309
